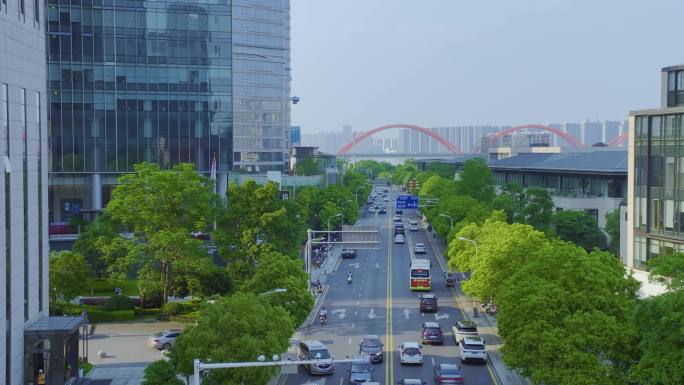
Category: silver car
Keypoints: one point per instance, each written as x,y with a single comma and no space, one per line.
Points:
316,350
419,248
164,340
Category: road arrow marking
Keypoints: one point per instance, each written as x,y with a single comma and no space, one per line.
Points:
354,265
407,313
439,317
340,313
371,315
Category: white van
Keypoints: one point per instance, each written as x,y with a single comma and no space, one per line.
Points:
413,226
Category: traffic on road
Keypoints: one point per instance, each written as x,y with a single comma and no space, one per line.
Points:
394,308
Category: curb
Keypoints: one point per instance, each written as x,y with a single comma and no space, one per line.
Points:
317,305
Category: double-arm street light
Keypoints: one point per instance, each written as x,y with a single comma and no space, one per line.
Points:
274,291
451,220
474,244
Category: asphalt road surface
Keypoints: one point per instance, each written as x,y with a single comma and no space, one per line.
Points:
380,283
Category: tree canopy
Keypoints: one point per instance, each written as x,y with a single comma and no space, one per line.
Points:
565,317
476,180
580,228
68,272
502,249
613,230
234,329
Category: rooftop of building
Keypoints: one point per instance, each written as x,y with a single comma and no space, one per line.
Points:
673,68
597,162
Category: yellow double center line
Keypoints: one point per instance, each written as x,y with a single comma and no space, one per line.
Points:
389,367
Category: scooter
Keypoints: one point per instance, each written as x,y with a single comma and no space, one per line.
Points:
349,279
323,318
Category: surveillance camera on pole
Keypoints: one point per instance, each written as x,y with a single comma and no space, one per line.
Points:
295,99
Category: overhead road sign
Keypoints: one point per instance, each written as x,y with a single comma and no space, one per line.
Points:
407,202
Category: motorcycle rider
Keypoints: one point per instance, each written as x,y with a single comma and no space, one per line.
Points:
323,315
349,277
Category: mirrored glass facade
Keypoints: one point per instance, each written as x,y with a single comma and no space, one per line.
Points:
165,82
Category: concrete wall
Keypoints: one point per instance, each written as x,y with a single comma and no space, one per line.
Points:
22,66
603,205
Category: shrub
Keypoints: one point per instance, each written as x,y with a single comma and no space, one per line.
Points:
101,316
160,373
172,308
118,302
94,301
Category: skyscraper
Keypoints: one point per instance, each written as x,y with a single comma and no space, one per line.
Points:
164,82
23,182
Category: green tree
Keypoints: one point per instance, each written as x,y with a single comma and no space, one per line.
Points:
668,270
565,317
502,250
277,271
68,272
658,321
160,372
445,171
476,180
95,244
234,329
538,209
163,208
613,230
257,220
579,228
511,200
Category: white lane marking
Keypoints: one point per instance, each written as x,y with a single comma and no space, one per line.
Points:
407,313
439,317
356,312
353,325
371,315
433,360
354,265
359,295
340,313
422,314
361,287
341,379
377,265
357,302
349,342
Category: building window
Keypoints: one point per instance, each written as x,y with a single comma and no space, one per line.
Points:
22,9
36,10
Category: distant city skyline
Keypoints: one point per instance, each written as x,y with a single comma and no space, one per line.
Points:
459,63
465,137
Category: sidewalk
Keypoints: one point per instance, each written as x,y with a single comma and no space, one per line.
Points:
486,325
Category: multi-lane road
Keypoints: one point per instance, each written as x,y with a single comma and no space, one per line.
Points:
379,302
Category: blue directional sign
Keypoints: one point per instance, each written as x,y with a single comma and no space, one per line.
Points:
407,202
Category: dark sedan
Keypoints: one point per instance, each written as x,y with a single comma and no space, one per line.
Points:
371,346
348,253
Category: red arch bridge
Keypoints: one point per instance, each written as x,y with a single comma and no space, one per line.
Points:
571,140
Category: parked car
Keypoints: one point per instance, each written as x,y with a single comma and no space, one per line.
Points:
419,248
399,238
371,345
348,253
428,303
316,350
164,340
448,374
473,349
431,333
361,372
410,353
462,329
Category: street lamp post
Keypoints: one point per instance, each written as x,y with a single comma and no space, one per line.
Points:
475,315
336,215
274,291
356,193
451,220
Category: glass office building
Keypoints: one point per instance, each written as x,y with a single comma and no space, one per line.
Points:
166,81
656,175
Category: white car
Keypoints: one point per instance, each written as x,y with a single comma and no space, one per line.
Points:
410,353
385,199
413,226
399,239
473,349
419,248
372,209
463,329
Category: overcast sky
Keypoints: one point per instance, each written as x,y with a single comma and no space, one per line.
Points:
450,62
